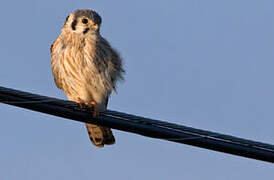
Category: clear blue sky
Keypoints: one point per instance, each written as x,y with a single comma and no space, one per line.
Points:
205,64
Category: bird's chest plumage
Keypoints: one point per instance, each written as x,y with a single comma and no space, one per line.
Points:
83,76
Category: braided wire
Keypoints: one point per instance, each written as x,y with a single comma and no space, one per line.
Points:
141,125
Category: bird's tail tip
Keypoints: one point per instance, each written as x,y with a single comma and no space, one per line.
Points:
100,135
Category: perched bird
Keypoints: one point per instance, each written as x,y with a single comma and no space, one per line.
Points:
86,67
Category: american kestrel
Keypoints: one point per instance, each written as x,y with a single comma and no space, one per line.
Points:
86,67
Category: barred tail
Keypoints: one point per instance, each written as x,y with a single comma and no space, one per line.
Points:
100,135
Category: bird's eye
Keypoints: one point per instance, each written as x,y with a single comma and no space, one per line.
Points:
84,21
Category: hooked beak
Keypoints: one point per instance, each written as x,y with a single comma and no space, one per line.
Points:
94,27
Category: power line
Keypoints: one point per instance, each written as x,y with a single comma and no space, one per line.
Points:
140,125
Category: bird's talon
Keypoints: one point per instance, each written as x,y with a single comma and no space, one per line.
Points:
80,103
93,105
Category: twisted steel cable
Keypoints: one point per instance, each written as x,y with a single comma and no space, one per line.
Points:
140,125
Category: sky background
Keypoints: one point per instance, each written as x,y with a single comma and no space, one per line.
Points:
204,64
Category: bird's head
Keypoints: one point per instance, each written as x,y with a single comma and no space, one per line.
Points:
83,21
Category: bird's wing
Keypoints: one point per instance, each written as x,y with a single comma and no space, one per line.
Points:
56,51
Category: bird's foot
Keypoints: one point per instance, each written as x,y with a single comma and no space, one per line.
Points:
94,106
84,105
81,103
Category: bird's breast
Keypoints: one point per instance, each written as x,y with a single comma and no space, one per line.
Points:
82,77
